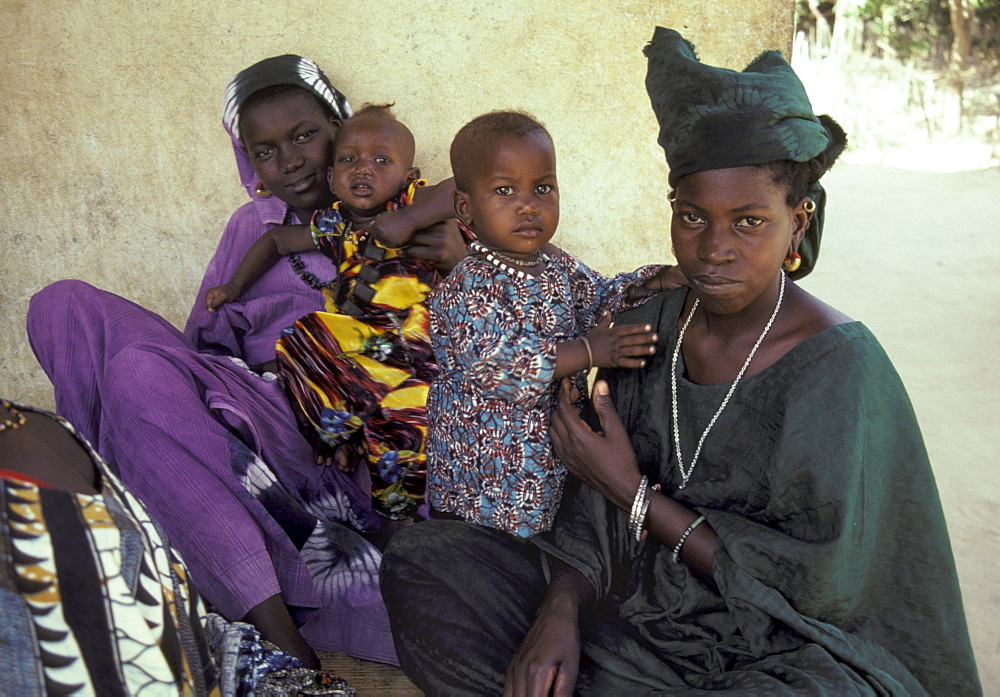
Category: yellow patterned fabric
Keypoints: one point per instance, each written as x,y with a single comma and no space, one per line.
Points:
93,601
358,374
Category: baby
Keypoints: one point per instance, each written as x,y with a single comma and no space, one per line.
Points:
510,320
357,374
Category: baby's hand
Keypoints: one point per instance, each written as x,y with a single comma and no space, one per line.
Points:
667,278
392,228
623,346
219,295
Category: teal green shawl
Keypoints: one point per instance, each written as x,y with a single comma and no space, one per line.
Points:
833,569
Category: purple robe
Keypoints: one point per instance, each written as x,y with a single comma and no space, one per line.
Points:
213,449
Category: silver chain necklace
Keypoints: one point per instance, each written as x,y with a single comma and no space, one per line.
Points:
686,473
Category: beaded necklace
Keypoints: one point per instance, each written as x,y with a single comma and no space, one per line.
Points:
493,256
686,472
332,221
299,266
14,419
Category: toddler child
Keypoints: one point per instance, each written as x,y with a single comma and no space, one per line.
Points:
508,322
357,374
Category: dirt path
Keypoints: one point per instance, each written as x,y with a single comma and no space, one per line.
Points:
915,256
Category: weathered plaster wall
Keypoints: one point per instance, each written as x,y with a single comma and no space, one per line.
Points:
115,169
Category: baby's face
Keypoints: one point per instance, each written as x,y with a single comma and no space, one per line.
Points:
513,198
372,162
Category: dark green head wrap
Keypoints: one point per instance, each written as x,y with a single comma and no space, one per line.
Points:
714,118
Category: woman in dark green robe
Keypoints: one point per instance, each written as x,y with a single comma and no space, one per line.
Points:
822,564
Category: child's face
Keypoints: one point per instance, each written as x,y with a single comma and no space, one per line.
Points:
513,198
288,139
372,162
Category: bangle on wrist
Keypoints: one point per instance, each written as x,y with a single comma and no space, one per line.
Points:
590,353
645,531
640,506
676,555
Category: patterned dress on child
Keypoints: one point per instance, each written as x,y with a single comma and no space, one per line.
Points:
495,335
359,372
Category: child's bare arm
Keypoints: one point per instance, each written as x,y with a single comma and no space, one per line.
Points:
667,278
624,346
431,205
262,255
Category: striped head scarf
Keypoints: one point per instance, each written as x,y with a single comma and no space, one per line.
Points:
278,70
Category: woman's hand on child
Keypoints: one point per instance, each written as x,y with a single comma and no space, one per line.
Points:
622,346
603,460
441,245
392,228
219,295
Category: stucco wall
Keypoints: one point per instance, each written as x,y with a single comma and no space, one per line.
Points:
115,169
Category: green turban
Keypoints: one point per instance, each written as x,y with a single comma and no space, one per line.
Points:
715,118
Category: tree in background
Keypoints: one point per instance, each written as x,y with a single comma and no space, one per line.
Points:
958,39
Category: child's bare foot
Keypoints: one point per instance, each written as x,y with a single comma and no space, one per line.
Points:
348,456
322,458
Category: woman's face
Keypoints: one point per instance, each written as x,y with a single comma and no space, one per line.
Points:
289,140
731,230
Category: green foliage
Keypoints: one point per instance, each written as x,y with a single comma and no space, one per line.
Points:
911,29
921,30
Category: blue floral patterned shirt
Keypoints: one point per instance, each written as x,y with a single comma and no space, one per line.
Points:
494,335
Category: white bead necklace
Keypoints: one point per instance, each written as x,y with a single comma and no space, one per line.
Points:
491,257
686,473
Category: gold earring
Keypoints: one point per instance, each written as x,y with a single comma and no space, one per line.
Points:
261,190
809,205
793,262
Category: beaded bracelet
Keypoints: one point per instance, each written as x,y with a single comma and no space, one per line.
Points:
634,519
687,533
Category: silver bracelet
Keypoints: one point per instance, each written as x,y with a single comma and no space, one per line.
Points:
646,499
590,353
634,522
687,533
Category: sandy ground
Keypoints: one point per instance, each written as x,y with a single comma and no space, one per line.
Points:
914,256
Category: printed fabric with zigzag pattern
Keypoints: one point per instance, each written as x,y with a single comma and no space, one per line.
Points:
93,600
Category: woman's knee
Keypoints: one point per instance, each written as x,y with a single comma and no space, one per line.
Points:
405,551
52,304
61,296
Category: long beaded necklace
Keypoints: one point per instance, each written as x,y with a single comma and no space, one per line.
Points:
494,256
686,472
14,419
299,266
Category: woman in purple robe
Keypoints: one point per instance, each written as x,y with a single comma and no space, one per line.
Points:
199,428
